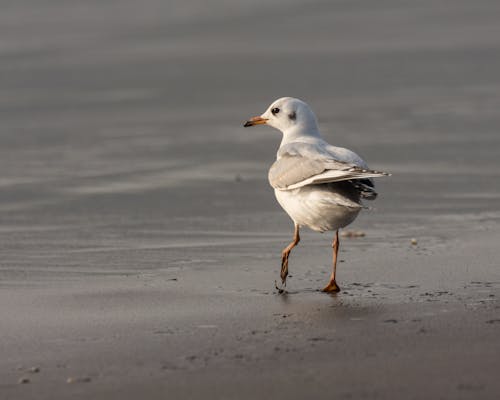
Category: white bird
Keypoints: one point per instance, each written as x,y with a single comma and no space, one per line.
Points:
319,185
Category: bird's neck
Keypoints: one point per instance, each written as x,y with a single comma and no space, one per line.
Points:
300,134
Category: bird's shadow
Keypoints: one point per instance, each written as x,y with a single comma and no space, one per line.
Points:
340,305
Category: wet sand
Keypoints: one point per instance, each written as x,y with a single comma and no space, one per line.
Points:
140,240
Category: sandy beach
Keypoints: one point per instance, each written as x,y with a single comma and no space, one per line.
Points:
140,239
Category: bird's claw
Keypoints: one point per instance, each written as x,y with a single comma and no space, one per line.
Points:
332,287
281,289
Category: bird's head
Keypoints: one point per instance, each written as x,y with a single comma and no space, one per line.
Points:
287,114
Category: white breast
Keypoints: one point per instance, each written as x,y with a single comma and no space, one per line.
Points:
317,207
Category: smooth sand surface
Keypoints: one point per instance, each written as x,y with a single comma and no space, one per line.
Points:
140,240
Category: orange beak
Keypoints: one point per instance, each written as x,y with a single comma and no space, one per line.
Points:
255,121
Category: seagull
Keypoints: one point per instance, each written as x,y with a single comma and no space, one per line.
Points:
320,186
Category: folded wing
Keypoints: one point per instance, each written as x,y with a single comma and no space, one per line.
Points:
296,168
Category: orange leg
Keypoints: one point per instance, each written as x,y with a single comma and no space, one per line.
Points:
332,286
286,253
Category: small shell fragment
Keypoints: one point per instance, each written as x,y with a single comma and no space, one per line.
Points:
353,234
84,379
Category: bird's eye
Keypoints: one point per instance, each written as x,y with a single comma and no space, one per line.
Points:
275,110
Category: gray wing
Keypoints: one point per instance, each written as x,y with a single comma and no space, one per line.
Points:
303,165
289,170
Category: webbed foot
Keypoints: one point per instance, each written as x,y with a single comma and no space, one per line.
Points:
332,287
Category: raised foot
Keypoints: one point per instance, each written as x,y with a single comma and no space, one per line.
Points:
281,289
332,287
